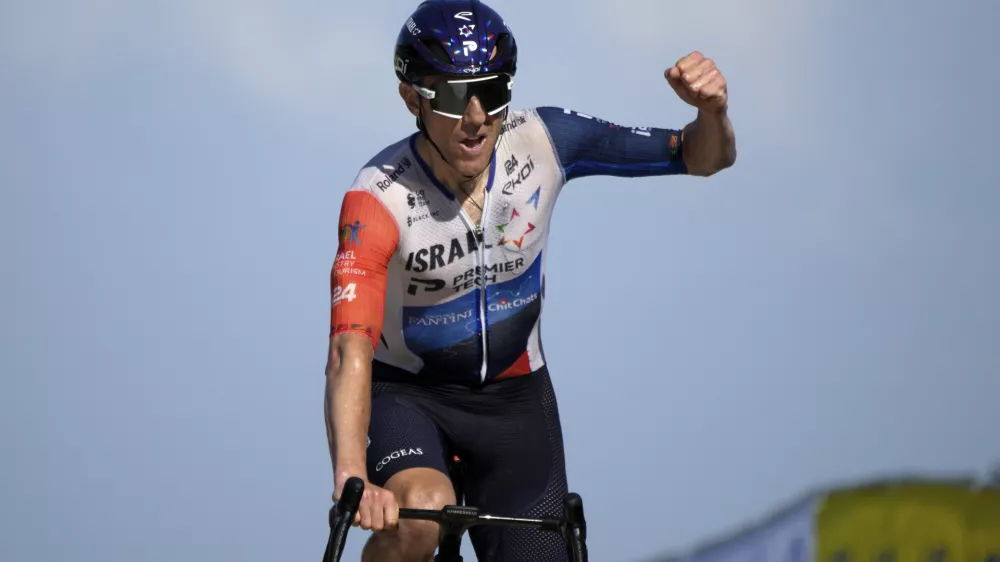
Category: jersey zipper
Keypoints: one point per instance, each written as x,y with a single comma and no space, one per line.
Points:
477,231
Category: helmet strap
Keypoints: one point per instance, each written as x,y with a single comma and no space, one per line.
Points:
423,129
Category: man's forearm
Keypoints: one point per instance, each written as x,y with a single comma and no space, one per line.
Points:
348,409
709,144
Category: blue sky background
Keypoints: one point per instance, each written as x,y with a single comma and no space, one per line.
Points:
171,175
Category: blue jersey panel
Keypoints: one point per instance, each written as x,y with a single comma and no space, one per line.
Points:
589,146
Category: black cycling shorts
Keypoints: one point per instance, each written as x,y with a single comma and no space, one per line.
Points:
508,436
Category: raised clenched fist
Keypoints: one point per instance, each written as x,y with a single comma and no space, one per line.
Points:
699,83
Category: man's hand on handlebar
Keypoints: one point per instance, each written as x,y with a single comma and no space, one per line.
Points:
378,510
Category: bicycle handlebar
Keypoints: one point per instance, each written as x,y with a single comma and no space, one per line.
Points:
470,516
576,526
342,516
455,520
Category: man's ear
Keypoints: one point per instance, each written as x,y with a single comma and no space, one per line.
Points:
410,97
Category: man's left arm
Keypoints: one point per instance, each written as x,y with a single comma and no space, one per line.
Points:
589,146
709,141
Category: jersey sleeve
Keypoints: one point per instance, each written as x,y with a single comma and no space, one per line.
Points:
589,146
368,236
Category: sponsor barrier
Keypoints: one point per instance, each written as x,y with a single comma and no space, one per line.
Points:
886,521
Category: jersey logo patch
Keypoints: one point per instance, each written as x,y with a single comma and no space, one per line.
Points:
349,233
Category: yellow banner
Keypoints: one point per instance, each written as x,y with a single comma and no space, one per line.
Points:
984,527
923,522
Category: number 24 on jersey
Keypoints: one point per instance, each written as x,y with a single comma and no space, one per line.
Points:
344,294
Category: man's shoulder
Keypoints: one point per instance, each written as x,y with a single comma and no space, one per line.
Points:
556,116
516,118
550,122
527,127
545,114
385,168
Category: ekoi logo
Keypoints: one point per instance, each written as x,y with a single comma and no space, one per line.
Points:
349,233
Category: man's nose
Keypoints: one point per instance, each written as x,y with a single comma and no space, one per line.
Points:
474,113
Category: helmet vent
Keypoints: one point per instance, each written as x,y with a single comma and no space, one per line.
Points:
437,50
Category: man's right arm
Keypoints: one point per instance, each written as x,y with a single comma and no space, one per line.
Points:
348,404
368,237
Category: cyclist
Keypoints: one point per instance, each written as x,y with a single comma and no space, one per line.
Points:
439,279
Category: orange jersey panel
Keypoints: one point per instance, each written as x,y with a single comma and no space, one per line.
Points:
368,237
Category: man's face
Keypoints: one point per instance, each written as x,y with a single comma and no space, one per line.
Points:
468,142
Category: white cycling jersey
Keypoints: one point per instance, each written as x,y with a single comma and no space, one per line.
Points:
447,300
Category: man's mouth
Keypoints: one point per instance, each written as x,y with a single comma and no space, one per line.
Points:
473,145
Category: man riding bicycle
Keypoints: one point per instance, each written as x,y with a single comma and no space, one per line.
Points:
439,279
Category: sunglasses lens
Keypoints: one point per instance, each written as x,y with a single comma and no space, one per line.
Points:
452,97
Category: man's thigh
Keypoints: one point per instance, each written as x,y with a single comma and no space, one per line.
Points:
401,436
517,468
406,456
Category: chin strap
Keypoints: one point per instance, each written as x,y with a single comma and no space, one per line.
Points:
423,129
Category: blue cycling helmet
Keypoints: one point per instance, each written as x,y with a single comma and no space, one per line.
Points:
454,37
